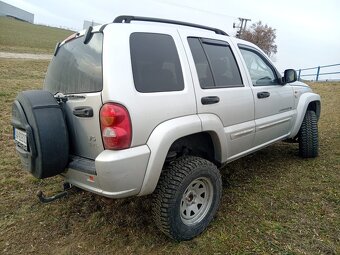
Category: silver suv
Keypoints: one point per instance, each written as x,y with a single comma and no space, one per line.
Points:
133,108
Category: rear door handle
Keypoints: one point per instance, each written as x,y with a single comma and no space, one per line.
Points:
210,100
263,94
83,111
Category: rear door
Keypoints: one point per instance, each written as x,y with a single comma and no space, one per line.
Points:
220,89
274,103
76,71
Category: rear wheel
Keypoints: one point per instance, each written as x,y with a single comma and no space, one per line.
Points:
187,197
308,136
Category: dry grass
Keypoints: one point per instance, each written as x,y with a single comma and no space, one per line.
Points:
19,36
273,202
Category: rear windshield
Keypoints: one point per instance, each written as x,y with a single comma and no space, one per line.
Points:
77,68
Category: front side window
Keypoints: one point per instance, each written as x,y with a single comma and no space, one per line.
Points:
215,63
155,63
260,70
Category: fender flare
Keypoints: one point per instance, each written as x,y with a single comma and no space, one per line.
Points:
304,101
159,143
166,133
212,124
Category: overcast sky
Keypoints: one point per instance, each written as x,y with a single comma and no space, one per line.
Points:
308,31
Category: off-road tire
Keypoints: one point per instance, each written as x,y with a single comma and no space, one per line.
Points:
174,184
308,136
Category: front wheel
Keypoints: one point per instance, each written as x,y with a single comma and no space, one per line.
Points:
308,136
187,197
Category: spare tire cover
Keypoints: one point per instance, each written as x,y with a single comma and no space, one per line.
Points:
37,113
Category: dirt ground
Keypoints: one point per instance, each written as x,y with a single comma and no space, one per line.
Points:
33,56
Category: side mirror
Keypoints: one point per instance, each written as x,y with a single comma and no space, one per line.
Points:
290,76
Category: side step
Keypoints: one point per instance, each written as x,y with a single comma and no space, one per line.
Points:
44,199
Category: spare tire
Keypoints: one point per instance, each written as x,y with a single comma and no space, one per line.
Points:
40,133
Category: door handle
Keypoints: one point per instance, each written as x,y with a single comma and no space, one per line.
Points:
210,100
83,111
263,94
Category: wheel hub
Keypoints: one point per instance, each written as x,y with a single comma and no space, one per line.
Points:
190,198
196,201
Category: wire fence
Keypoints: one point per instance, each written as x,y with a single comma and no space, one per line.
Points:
319,73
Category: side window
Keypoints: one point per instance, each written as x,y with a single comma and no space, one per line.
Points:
202,65
215,63
155,63
223,64
260,70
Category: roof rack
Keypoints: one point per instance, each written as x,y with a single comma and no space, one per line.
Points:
128,19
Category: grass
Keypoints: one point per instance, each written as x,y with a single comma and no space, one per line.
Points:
273,202
19,36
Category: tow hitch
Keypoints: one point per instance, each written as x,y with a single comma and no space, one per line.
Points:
43,199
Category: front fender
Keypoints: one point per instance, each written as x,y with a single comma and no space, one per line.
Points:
304,101
159,143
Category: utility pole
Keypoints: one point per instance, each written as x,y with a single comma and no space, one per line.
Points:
241,27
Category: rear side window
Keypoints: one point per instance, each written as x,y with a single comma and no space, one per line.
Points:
215,63
155,63
201,62
77,68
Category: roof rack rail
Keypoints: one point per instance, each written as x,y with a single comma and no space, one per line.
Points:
128,19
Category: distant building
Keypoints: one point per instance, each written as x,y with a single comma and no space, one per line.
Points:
88,23
15,12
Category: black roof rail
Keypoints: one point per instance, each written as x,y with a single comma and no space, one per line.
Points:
128,19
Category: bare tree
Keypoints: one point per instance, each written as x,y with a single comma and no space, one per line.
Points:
261,35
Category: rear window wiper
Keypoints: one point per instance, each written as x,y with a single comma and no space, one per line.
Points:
63,98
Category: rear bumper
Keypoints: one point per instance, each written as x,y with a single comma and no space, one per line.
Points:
117,173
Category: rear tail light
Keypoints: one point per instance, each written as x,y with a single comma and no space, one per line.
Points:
115,125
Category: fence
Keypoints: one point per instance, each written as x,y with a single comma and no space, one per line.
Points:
318,72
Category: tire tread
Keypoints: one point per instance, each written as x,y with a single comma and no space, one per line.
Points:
170,179
308,136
